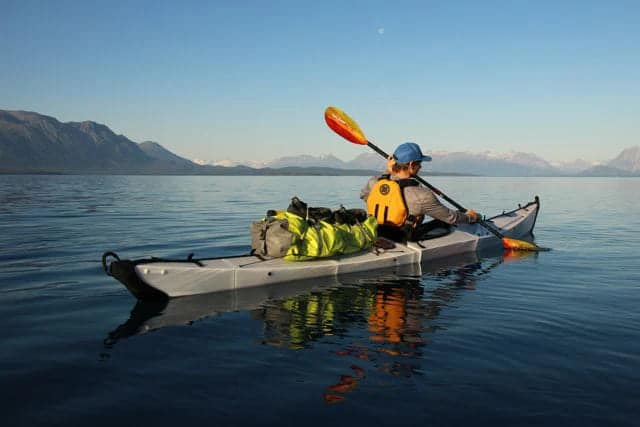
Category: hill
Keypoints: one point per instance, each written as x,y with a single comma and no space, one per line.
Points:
35,143
628,160
605,170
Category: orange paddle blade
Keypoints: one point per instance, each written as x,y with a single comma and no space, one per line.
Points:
344,125
520,245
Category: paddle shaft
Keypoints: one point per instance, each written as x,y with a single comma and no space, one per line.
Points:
440,193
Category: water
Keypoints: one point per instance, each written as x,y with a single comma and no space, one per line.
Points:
547,339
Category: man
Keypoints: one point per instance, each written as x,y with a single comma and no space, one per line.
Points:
400,203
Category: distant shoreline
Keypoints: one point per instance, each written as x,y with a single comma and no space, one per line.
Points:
270,173
363,173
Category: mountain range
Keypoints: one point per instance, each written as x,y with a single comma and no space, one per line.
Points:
35,143
627,163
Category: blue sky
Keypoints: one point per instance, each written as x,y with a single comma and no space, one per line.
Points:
251,79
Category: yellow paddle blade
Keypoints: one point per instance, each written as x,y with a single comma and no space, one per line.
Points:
520,245
344,125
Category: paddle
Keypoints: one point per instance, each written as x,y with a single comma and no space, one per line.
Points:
347,128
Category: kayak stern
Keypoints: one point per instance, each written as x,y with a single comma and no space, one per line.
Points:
124,271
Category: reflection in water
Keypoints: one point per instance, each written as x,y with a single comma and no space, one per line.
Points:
397,314
386,321
395,325
148,316
393,308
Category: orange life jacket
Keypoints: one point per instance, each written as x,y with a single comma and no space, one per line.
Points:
386,201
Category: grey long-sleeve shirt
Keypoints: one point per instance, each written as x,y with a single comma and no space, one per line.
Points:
422,201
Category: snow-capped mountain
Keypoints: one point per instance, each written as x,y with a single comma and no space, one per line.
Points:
575,165
305,160
628,160
256,164
491,163
369,161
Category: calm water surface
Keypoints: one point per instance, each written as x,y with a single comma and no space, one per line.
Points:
545,339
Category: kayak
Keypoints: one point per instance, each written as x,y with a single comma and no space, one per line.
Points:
157,278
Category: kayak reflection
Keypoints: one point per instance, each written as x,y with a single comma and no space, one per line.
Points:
296,313
148,316
395,310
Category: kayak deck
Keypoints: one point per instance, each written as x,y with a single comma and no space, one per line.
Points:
154,279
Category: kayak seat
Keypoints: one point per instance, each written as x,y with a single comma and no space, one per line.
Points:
425,231
431,230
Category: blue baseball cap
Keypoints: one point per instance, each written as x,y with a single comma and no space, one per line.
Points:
410,152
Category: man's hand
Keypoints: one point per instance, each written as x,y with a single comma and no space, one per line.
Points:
390,162
473,215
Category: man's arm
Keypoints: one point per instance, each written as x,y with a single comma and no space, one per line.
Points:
422,201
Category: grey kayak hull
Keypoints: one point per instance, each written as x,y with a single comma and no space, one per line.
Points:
157,279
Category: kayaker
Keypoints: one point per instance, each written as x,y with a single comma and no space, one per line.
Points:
400,203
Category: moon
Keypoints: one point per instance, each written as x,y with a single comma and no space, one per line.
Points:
381,30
